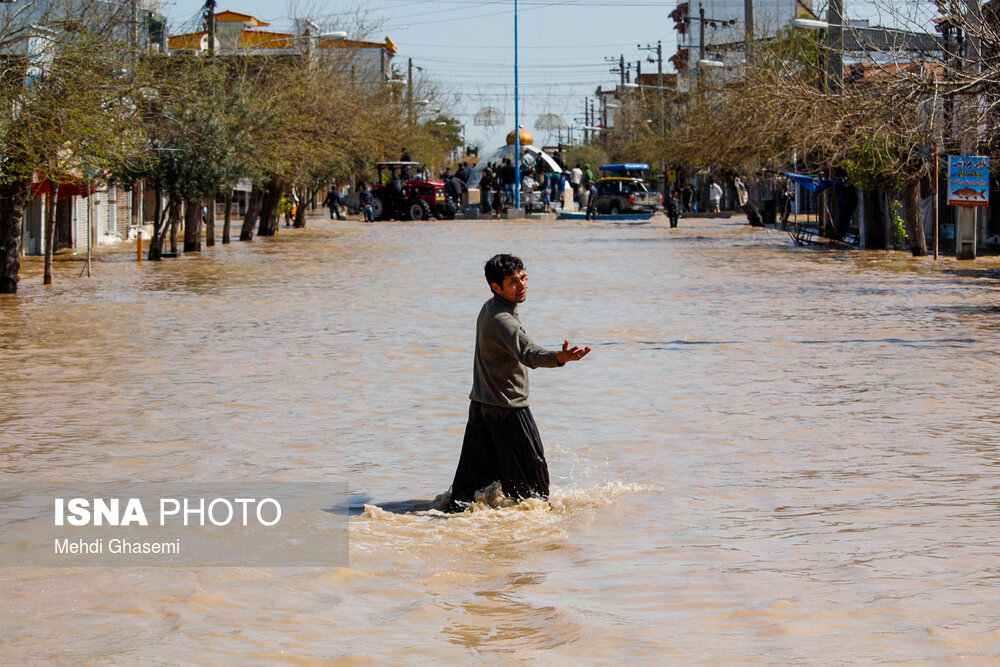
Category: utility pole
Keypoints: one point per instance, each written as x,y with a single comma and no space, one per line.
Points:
409,91
659,63
517,123
586,121
662,109
659,84
134,31
714,22
619,67
209,11
835,46
967,217
701,32
748,29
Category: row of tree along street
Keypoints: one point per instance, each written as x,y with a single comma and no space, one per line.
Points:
96,105
874,120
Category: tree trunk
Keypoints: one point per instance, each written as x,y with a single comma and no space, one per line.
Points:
914,220
13,199
993,225
210,222
250,219
50,230
746,204
265,202
874,221
174,215
300,215
887,222
838,219
192,225
155,253
269,209
753,215
175,221
228,217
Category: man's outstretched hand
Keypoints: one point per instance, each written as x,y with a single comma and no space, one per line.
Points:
568,353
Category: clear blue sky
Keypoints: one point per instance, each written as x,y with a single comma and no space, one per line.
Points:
467,46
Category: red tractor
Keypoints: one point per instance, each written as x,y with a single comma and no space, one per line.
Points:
404,192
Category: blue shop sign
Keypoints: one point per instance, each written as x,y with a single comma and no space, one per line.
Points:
968,180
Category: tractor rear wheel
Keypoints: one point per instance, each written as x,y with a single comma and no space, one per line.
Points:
418,210
378,208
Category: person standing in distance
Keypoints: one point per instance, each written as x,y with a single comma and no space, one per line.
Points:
501,439
367,201
714,196
592,201
673,207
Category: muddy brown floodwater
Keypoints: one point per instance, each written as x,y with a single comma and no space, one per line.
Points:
774,455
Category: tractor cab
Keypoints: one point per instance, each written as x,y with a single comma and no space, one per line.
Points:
399,171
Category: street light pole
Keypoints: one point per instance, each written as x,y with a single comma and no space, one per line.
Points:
517,125
701,29
409,92
701,32
661,104
748,29
833,75
835,46
210,25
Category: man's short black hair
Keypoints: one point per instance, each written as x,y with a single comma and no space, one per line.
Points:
500,266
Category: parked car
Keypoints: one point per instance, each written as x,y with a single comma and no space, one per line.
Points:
625,191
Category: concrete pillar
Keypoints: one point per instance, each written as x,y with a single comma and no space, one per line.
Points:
965,232
568,203
112,210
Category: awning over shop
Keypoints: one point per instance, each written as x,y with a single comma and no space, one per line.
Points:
65,189
812,183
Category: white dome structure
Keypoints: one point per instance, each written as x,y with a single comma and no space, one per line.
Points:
530,154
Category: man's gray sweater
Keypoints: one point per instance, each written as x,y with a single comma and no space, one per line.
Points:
503,350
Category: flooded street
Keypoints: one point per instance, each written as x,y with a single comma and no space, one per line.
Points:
773,455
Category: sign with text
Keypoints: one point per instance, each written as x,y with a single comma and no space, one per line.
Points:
267,524
968,180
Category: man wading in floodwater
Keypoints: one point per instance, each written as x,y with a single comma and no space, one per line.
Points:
501,440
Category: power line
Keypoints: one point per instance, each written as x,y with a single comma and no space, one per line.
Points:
478,47
546,3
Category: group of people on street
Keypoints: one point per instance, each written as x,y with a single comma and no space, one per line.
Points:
681,199
457,183
543,187
335,202
496,187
